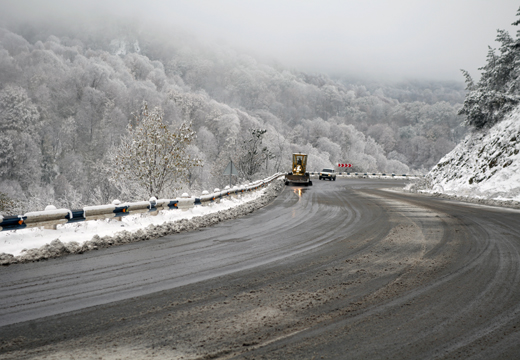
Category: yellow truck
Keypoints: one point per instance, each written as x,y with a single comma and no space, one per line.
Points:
298,175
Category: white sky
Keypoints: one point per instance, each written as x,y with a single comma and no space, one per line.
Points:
430,39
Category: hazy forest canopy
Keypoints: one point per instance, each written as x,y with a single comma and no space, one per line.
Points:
67,96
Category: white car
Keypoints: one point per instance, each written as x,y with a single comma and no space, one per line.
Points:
327,174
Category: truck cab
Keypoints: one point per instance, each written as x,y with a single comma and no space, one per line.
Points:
298,175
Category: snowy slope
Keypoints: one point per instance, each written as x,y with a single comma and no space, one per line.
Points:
485,165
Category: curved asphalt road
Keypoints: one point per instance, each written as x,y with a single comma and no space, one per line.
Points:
31,291
338,270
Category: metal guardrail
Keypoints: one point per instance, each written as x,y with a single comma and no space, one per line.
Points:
370,174
51,217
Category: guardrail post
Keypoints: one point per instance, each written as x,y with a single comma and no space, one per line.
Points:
12,223
173,204
116,202
217,196
153,206
50,226
76,216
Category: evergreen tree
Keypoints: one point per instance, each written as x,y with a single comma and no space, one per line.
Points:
497,91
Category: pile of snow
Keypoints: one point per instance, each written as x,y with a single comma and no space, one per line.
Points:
486,165
35,244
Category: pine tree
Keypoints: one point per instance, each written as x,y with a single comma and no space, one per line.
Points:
497,91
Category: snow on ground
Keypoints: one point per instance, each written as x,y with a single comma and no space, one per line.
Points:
485,166
13,242
37,243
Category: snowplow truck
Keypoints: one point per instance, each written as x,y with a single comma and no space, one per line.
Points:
298,175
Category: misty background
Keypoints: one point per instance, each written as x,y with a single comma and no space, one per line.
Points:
380,38
376,84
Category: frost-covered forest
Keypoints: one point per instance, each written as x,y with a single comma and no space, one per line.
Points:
67,96
497,92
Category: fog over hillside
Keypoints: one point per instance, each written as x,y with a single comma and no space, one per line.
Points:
378,39
68,92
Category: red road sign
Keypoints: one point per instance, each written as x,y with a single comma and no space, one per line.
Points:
344,165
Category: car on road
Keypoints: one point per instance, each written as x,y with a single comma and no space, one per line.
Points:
327,174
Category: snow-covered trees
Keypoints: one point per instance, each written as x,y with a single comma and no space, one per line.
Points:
252,154
17,112
497,92
66,99
151,160
20,155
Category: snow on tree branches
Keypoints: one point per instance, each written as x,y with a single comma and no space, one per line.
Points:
151,160
497,92
252,155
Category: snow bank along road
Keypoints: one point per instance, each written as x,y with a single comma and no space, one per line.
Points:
341,269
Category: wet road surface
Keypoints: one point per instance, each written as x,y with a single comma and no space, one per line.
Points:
341,269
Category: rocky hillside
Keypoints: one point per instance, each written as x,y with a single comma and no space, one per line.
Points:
485,165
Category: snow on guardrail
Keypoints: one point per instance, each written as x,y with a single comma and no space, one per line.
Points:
51,217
